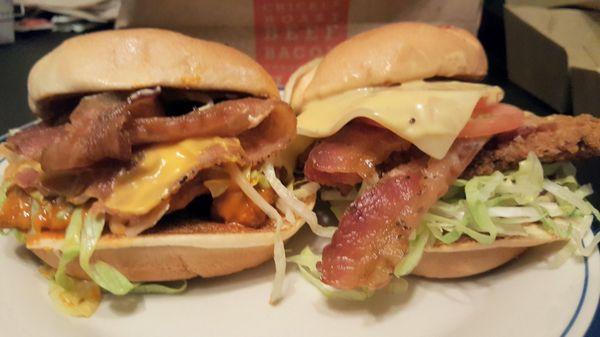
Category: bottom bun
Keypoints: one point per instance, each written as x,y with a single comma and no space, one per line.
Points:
169,263
467,258
176,250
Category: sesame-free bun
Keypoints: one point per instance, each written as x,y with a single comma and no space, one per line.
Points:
392,54
131,59
175,251
468,257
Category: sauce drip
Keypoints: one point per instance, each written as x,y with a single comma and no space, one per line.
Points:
21,211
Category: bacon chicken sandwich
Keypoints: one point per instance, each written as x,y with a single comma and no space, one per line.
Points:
427,171
152,162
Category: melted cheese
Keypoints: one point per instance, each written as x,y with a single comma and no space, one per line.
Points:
430,115
160,169
287,157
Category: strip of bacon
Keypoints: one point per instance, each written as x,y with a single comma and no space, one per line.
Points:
94,133
226,119
32,141
270,136
108,125
352,154
373,234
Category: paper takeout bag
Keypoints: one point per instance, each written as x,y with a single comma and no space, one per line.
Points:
284,34
554,52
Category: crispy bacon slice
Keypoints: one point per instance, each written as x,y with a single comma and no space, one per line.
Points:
27,178
351,155
32,141
74,184
108,125
270,136
373,234
96,130
225,119
94,133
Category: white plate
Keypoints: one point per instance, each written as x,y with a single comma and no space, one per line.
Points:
524,298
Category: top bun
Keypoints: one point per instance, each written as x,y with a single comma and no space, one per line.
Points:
131,59
393,54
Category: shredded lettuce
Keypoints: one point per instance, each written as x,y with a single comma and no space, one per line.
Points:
152,288
100,272
105,275
296,205
307,264
571,197
74,297
502,204
81,297
415,252
69,249
278,249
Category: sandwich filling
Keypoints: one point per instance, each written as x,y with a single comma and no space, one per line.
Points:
124,161
136,161
411,154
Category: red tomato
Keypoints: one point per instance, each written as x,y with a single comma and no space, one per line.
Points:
493,119
480,107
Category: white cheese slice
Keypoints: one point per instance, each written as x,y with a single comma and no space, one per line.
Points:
430,115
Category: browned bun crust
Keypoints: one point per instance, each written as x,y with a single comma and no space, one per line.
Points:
131,59
185,250
467,258
394,54
159,264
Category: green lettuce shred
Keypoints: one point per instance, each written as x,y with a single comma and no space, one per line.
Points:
105,275
100,272
70,250
415,252
153,288
81,297
485,207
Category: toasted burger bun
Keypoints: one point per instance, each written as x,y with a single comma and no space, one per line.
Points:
175,251
392,54
467,258
131,59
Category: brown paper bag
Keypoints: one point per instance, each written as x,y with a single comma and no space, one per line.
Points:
283,34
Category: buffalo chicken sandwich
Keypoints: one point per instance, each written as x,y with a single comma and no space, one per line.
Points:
427,171
152,163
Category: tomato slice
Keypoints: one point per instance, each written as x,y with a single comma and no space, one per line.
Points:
369,122
493,119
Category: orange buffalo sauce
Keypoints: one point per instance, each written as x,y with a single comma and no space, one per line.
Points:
23,212
235,206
